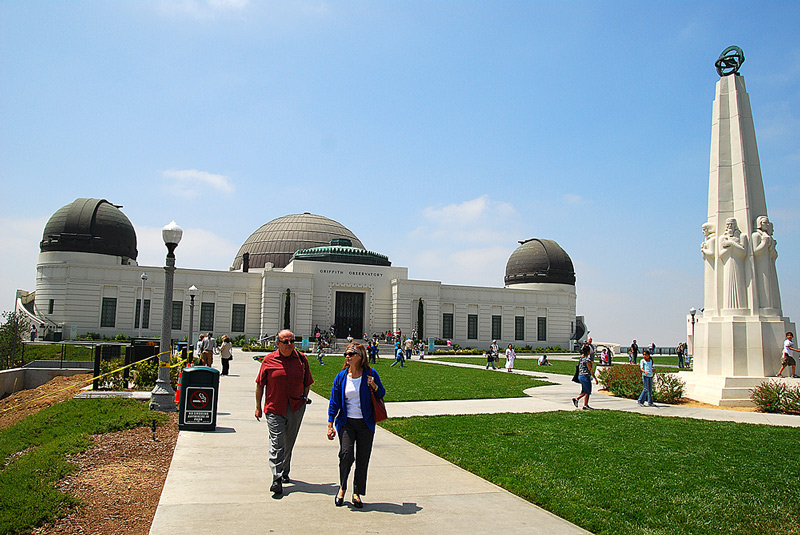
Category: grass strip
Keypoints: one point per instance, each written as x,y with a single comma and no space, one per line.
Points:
418,381
560,367
614,472
34,454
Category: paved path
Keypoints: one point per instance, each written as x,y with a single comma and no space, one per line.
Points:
219,481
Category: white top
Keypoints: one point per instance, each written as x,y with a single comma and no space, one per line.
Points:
786,345
352,397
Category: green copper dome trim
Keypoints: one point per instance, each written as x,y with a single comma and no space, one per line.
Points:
343,255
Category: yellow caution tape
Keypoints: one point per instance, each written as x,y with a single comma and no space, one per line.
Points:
160,363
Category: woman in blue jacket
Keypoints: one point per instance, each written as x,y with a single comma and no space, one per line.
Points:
350,410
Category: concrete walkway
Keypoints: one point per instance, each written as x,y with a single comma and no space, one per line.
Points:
218,482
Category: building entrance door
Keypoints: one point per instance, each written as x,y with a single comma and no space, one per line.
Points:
349,314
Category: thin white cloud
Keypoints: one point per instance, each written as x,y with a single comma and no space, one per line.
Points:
191,182
201,9
477,221
199,249
573,199
19,240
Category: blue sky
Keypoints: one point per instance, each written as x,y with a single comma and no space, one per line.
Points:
440,133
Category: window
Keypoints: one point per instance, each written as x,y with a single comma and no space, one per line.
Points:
108,314
51,305
237,319
472,326
145,317
207,316
497,327
542,329
177,315
447,325
519,328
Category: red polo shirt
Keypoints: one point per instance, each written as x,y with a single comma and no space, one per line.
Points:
285,379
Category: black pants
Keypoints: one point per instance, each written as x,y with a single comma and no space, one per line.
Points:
225,364
355,443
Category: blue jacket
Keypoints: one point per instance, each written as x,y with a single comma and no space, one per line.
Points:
337,408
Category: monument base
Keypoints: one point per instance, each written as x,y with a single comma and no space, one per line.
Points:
724,391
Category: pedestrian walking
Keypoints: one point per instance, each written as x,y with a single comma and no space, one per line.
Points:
585,374
646,365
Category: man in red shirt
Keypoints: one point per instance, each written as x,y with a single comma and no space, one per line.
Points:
285,376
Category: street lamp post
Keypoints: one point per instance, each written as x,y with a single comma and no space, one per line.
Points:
190,340
163,396
692,312
141,305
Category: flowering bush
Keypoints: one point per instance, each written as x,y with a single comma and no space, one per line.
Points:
776,396
625,381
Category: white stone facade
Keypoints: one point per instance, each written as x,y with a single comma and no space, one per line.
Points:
71,287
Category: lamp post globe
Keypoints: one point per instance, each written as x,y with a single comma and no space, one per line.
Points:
692,312
163,396
190,340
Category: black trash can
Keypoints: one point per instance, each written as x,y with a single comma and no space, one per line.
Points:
199,390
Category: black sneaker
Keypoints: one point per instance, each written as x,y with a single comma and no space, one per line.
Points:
285,478
277,487
587,408
575,402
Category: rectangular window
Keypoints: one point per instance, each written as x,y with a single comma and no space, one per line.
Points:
237,318
145,318
177,315
497,327
108,314
447,325
472,326
541,329
51,305
519,328
207,316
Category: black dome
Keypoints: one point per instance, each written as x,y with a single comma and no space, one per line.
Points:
537,260
279,239
90,226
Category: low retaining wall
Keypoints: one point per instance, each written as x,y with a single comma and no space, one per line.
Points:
17,379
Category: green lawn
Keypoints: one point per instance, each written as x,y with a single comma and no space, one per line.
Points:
34,451
418,381
561,367
620,473
54,352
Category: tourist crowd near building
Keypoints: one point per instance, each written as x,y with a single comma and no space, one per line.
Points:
297,271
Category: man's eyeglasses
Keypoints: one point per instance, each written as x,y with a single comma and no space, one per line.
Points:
287,342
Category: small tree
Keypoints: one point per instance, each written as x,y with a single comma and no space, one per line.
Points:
12,333
286,308
420,331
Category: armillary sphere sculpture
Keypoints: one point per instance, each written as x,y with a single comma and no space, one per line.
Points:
729,61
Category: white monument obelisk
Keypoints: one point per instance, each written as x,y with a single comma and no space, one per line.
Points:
739,338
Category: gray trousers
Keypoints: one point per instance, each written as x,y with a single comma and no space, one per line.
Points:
283,429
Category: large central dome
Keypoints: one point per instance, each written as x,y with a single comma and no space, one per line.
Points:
279,239
537,261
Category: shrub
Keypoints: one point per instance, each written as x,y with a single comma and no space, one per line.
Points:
146,373
669,388
114,381
776,396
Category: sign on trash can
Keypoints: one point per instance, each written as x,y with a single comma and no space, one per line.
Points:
199,387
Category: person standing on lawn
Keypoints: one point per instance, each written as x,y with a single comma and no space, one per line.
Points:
585,374
646,365
510,357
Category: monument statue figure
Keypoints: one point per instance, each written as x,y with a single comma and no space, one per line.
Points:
709,250
732,252
765,254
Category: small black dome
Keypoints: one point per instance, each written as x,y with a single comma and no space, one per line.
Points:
279,239
537,260
90,226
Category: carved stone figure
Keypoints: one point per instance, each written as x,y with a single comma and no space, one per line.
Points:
708,248
765,255
732,252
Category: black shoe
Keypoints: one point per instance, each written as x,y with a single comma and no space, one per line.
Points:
277,487
285,478
357,503
339,501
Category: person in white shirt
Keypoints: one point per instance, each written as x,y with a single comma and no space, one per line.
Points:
786,356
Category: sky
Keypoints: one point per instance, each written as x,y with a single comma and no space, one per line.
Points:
440,133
